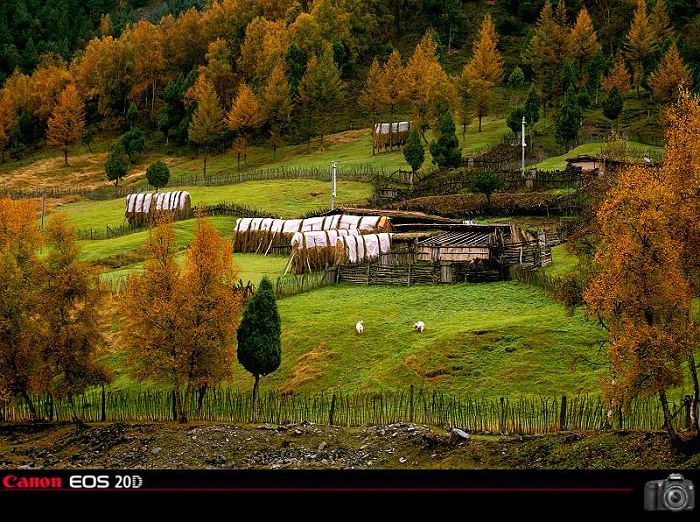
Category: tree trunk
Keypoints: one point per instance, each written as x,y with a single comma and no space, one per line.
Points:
173,395
696,392
668,425
71,405
30,404
204,167
480,116
103,409
184,406
254,416
200,399
65,156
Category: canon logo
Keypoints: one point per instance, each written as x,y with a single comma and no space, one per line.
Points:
15,482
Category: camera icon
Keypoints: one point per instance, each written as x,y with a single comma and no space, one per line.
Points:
672,494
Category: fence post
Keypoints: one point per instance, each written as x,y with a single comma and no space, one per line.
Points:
410,404
562,414
331,413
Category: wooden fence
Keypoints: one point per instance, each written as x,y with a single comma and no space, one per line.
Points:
412,273
363,173
493,415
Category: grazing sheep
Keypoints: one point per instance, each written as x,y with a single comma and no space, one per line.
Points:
360,327
420,326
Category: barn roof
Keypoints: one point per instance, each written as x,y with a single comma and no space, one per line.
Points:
472,238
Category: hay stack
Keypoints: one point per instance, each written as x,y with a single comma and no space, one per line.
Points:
390,135
363,248
144,208
260,235
314,251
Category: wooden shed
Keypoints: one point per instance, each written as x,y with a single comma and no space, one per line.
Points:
458,246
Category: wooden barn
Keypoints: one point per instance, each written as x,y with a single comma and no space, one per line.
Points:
390,135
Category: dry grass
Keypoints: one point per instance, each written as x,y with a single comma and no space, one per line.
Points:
308,368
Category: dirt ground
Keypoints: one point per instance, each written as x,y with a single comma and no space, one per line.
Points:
306,446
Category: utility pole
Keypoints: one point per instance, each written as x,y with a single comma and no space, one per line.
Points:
522,161
333,191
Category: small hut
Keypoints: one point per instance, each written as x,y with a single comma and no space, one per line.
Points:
360,249
314,251
143,208
390,135
265,235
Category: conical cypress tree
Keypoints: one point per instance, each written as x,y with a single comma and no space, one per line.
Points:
446,151
259,343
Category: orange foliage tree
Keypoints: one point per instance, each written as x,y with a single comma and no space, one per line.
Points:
264,46
485,69
19,301
244,117
641,42
370,99
618,77
640,289
180,323
583,40
392,89
67,123
71,323
8,115
670,77
276,105
427,83
207,124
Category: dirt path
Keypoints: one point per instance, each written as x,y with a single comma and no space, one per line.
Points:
303,446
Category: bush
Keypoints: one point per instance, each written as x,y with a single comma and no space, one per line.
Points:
568,289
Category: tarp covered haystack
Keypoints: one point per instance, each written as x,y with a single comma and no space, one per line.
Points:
314,251
143,208
390,135
261,235
360,249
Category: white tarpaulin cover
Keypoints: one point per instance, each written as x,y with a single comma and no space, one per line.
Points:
143,202
363,248
290,226
321,238
386,128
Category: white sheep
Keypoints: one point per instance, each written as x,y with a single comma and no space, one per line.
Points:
360,327
419,325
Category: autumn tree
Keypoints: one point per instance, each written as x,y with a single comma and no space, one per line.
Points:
485,69
660,22
619,77
276,105
259,344
219,69
152,334
549,47
7,119
464,100
208,311
370,99
265,45
640,42
320,89
612,105
428,86
244,117
71,322
20,281
158,174
671,76
583,41
640,290
391,86
67,123
207,124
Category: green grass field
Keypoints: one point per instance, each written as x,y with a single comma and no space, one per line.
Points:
559,162
348,149
563,262
481,339
287,198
